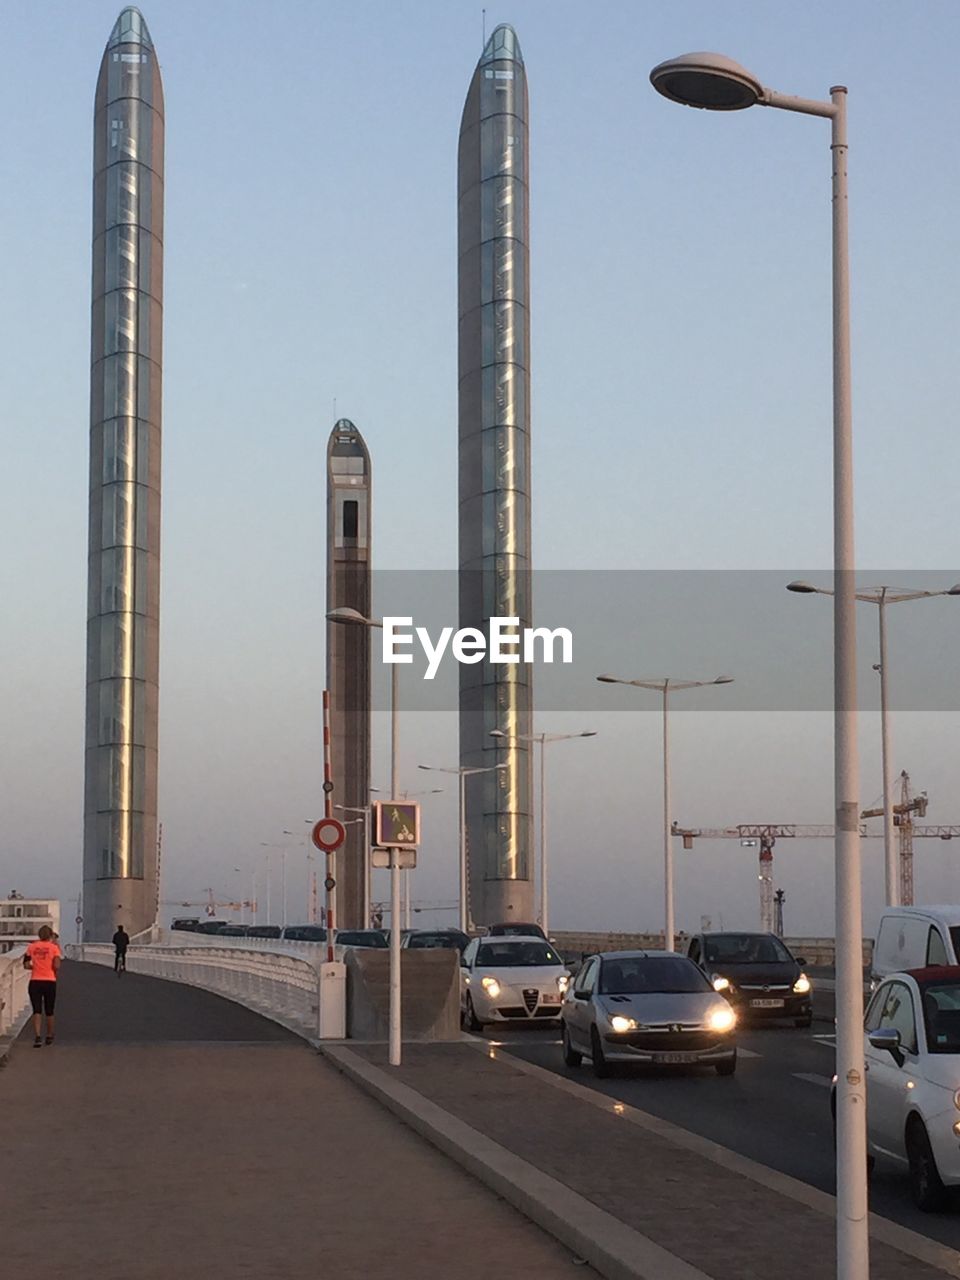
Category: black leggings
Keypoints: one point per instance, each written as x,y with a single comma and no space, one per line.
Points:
43,996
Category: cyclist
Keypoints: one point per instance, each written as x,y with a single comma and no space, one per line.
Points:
121,940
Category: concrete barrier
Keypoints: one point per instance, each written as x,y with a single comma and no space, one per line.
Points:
430,982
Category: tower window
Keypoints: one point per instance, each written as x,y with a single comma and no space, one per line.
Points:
351,518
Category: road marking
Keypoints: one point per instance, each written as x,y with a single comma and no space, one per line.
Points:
827,1040
811,1077
747,1053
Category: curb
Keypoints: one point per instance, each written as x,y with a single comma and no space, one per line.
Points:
612,1248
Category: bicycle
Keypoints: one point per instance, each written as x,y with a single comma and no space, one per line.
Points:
120,962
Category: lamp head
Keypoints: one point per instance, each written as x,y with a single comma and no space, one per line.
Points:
954,590
609,680
346,614
498,733
803,588
724,680
707,80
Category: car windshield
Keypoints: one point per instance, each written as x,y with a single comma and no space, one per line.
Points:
745,948
360,938
941,1013
434,940
516,931
655,975
515,955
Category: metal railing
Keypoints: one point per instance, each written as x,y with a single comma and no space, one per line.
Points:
14,1001
308,996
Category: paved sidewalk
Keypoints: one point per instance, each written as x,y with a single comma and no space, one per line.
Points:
172,1135
715,1211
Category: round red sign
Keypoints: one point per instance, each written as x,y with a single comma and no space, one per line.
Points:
329,834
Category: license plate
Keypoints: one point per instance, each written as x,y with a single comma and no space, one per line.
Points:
766,1004
550,999
667,1058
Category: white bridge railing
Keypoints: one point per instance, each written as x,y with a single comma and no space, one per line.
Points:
14,1000
306,995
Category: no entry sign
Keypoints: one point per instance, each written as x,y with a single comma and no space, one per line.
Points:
328,834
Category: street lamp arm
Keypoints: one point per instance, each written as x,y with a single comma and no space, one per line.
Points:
790,102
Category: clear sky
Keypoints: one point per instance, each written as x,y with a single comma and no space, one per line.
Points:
681,402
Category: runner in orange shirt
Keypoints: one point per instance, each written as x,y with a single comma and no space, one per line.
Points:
43,961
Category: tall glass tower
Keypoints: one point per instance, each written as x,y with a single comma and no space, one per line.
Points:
494,369
348,660
120,883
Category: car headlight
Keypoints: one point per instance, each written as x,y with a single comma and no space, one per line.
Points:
956,1099
722,1020
802,985
491,986
720,983
620,1023
563,982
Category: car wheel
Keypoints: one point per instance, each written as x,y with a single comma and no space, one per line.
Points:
601,1068
570,1056
804,1022
929,1193
728,1067
470,1020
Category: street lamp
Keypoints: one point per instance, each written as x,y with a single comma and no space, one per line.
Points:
463,774
881,597
542,739
662,686
353,617
717,83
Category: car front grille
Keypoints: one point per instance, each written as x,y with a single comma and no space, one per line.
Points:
671,1041
756,986
531,998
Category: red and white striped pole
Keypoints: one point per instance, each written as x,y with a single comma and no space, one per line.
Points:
328,813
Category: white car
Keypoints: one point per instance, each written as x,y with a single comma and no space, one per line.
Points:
510,980
912,1050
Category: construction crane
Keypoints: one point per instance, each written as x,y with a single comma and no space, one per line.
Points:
766,834
210,904
903,820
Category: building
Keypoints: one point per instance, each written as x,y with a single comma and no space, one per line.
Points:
494,448
21,919
348,661
120,793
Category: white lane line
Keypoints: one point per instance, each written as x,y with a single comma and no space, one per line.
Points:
812,1078
827,1040
747,1053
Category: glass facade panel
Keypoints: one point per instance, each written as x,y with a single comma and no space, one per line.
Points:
503,208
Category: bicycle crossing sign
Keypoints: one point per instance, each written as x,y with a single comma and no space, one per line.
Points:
396,824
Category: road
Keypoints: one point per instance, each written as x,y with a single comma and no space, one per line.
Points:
776,1109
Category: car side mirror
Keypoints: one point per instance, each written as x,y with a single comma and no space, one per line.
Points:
581,995
801,961
887,1038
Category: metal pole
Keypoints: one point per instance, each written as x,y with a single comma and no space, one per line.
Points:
269,921
367,869
463,851
852,1233
890,853
544,911
668,924
395,990
283,887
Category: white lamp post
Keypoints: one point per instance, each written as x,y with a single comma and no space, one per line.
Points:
662,687
542,739
881,597
717,83
462,820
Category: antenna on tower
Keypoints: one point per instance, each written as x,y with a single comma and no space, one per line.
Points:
483,21
334,408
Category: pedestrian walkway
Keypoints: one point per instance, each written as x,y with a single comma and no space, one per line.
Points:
717,1214
172,1135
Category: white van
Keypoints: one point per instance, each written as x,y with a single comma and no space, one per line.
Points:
913,937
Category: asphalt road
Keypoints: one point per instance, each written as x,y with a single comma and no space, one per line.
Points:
776,1109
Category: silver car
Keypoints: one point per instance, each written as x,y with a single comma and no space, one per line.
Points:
646,1006
510,980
